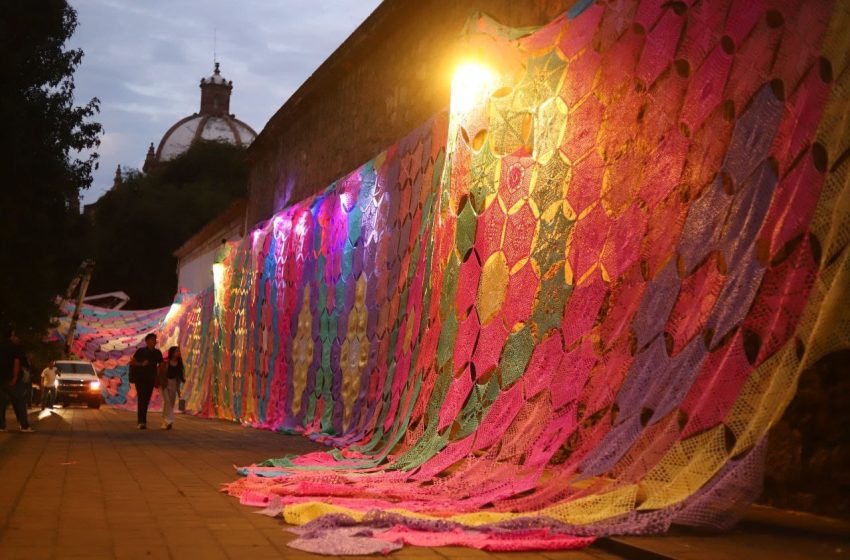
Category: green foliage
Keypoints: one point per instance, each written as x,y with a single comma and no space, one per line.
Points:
40,162
138,226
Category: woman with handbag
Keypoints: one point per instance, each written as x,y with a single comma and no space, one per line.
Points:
170,385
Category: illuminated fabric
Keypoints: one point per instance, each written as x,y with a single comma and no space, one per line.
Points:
108,338
574,309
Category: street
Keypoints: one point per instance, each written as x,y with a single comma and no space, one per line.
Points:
88,484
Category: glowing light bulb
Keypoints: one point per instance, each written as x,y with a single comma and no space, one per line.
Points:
471,85
218,275
345,201
175,307
301,225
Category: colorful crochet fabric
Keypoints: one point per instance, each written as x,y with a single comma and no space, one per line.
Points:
108,338
572,308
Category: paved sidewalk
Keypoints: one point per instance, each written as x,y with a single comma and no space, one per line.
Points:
88,484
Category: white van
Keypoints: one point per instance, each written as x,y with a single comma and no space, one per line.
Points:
77,382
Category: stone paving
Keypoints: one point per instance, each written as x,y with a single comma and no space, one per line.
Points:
88,484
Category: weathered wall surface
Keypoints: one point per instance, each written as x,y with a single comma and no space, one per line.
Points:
389,77
194,272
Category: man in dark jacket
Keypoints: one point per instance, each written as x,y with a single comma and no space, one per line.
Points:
13,360
145,363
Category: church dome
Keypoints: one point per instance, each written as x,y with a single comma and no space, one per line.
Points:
213,122
225,128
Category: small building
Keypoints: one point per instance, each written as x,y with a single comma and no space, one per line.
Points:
197,255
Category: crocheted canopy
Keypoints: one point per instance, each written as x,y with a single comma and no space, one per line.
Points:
109,337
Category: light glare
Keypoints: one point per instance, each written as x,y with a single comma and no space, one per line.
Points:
172,311
471,85
218,275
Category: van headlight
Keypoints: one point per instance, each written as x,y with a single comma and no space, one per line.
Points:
94,385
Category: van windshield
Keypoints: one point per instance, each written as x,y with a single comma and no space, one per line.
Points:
65,367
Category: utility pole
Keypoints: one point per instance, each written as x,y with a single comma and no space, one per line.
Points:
83,278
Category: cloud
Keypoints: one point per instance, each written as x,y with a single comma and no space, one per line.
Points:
144,61
112,143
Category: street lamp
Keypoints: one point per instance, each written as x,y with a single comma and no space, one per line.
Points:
472,83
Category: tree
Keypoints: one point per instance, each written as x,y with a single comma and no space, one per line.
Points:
138,226
42,170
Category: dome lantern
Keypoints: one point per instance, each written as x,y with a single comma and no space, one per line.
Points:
215,94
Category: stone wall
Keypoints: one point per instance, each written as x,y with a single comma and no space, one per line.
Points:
387,78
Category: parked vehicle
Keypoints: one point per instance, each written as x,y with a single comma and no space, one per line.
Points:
77,382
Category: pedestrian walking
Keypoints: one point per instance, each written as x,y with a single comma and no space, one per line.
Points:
48,385
145,365
13,361
170,384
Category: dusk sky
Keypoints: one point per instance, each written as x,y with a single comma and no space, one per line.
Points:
145,59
